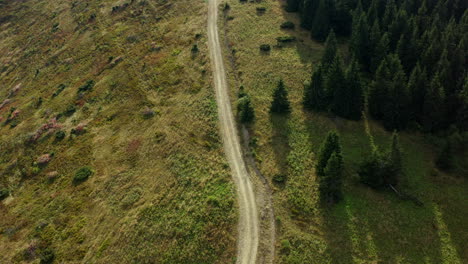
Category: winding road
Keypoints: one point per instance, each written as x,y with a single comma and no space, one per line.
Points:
247,246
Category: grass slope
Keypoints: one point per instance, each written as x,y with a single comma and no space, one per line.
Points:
160,189
368,226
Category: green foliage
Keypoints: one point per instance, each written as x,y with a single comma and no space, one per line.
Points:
4,193
314,92
287,25
280,103
60,135
329,146
86,87
330,53
46,256
279,178
330,184
445,157
265,47
82,175
321,25
360,44
245,109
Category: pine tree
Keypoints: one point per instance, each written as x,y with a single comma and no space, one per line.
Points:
331,48
292,5
398,27
395,115
380,52
330,184
389,15
354,85
374,40
308,13
360,41
417,87
434,108
329,146
245,110
379,90
321,25
280,103
335,88
314,94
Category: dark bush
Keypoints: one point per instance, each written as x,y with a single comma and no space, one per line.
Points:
60,88
86,87
279,178
71,109
82,175
47,256
194,48
4,193
265,47
287,25
286,39
60,135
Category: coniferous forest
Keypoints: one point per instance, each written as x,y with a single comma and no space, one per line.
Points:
406,62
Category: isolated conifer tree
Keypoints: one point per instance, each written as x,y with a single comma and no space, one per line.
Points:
314,93
329,146
330,184
245,110
331,48
321,25
280,103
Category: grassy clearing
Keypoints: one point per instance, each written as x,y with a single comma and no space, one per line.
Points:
368,226
160,191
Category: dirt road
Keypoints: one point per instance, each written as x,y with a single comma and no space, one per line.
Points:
248,216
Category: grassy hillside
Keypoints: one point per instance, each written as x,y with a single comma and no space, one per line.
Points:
112,86
368,226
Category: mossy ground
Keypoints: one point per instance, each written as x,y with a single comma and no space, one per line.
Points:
160,190
368,226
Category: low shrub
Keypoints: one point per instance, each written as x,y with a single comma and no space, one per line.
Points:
60,135
86,87
287,25
279,178
82,175
286,39
265,47
4,193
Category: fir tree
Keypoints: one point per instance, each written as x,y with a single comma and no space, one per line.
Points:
245,110
280,103
335,87
374,40
292,5
331,48
360,41
321,25
380,52
308,13
379,90
329,146
354,85
314,94
433,109
417,87
330,184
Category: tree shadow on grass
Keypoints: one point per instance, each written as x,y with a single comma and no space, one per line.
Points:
280,143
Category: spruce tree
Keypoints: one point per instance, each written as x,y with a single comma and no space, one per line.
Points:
329,146
314,94
245,110
374,40
331,48
292,5
378,91
395,115
280,103
433,108
330,184
417,86
335,87
380,52
308,13
354,85
360,41
321,25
